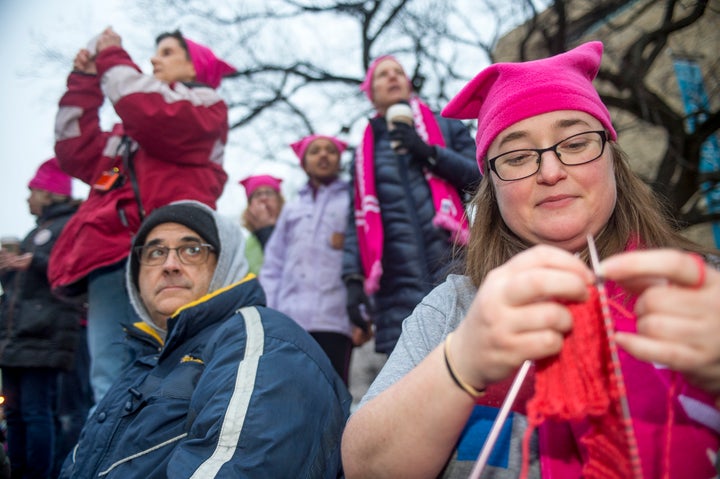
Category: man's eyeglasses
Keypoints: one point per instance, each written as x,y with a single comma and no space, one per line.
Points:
188,253
575,150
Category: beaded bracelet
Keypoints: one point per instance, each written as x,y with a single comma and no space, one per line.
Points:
474,393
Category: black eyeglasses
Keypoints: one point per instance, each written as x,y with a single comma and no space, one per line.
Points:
572,151
188,253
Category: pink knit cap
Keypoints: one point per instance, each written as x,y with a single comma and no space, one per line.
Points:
209,69
301,146
367,83
506,93
252,183
50,177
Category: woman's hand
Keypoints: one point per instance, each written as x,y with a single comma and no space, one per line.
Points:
108,38
360,336
678,311
84,62
14,262
259,215
516,316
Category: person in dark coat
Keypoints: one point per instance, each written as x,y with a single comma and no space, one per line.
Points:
221,385
38,332
410,176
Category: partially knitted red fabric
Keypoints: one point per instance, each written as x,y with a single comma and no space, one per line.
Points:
580,384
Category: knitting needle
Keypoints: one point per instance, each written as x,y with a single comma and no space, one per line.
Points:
500,420
610,329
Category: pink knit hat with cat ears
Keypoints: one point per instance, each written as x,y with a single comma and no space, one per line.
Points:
252,183
209,69
50,177
506,93
367,83
301,146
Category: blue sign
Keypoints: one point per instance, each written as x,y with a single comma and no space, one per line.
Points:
695,100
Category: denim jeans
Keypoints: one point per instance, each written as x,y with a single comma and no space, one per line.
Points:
109,311
29,411
74,400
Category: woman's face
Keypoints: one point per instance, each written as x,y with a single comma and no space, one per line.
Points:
171,62
38,200
390,85
322,161
559,205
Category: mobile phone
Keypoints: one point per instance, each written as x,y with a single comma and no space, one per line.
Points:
108,180
92,45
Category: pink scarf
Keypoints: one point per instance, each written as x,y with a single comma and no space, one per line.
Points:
449,210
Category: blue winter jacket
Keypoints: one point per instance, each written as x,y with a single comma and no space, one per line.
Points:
238,390
416,255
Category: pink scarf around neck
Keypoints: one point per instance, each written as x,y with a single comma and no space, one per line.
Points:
450,213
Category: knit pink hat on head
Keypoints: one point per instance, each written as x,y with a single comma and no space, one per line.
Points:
367,83
209,69
252,183
301,146
506,93
50,177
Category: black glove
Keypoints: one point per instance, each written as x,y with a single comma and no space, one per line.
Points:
356,297
406,137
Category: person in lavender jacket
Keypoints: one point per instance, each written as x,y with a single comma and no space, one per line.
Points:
301,274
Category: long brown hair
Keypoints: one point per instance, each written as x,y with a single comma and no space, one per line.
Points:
638,213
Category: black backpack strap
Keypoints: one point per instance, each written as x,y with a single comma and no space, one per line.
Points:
129,167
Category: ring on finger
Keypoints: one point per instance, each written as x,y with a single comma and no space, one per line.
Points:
700,262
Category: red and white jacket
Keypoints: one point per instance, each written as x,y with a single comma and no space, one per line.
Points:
178,135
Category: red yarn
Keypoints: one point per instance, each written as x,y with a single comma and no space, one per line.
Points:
581,384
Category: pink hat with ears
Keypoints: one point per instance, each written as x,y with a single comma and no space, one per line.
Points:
301,146
367,83
209,69
50,177
252,183
506,93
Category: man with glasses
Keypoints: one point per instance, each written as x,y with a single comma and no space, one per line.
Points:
220,386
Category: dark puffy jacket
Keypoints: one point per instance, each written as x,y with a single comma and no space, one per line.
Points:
237,391
416,254
36,328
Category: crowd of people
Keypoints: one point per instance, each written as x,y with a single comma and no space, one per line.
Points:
142,334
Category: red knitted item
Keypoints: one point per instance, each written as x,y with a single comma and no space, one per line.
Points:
580,384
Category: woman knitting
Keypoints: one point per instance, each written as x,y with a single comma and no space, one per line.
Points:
553,175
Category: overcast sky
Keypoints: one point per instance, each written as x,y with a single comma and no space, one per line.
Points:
38,40
31,85
30,90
